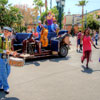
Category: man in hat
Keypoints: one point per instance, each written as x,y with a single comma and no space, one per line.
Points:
5,50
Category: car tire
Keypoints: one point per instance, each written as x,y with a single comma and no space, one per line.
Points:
63,51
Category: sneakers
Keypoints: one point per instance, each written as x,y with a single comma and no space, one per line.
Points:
87,66
7,91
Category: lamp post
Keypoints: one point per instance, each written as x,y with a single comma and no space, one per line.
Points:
60,7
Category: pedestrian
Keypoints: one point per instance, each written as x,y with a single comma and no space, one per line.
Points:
87,41
5,50
79,44
96,38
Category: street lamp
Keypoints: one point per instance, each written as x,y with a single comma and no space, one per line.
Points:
60,7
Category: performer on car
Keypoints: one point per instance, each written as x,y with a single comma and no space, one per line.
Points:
5,50
26,42
49,21
39,28
44,34
54,26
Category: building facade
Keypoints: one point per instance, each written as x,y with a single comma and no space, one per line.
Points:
74,20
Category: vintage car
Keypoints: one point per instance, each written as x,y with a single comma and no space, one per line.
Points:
58,44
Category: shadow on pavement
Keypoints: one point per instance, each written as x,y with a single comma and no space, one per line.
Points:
89,71
58,59
85,70
51,58
3,97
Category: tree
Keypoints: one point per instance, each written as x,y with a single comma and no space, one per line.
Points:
53,10
28,13
56,12
92,23
82,3
38,4
8,14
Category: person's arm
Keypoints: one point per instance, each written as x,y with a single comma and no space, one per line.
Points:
93,43
52,28
37,29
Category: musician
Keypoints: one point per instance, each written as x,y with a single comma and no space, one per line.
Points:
54,26
49,20
39,28
44,34
5,50
26,41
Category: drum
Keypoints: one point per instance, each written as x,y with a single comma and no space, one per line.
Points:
19,62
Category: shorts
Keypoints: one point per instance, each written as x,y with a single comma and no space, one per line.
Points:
78,42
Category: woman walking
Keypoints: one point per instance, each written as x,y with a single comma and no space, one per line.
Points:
87,41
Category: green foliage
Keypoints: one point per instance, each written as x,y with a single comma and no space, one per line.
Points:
21,28
92,23
3,2
9,15
56,12
39,4
43,16
82,3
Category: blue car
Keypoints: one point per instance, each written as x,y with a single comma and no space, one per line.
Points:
58,44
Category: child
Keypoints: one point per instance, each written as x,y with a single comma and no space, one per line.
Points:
87,41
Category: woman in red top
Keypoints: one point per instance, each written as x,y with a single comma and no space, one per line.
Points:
87,41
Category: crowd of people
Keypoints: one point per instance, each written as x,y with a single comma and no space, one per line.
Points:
6,46
84,42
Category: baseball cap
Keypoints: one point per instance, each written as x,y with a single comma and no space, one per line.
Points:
7,28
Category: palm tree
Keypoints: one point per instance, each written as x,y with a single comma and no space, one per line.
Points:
39,4
82,3
45,4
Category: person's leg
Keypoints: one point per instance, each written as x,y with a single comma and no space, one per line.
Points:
4,73
1,67
96,42
83,57
24,46
8,69
77,45
88,58
81,47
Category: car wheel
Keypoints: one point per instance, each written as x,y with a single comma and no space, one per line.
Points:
63,51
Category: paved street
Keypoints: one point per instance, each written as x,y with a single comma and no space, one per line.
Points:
56,79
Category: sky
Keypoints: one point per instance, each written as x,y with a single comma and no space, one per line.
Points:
69,5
